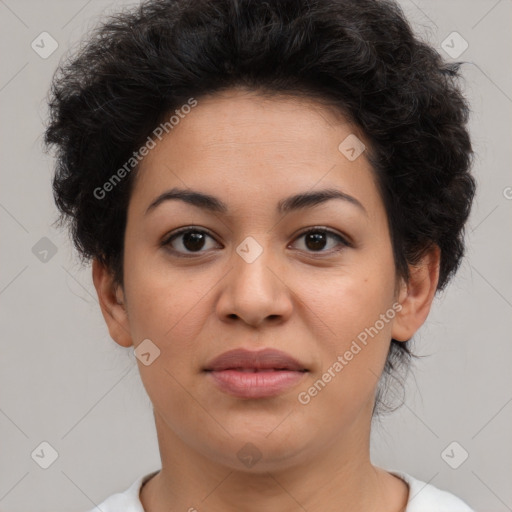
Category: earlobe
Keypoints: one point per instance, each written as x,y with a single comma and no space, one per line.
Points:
112,303
416,295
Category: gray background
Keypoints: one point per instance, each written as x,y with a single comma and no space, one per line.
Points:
64,381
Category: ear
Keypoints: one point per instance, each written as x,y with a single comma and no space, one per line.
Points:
416,295
112,303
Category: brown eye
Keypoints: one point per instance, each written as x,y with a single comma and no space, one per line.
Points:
191,241
316,240
188,240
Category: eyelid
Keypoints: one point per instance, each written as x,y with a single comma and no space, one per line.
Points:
344,240
184,229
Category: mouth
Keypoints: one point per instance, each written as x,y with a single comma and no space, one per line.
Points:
248,374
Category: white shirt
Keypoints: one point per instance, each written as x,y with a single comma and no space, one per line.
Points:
422,497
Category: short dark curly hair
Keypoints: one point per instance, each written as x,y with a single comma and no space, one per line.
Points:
360,57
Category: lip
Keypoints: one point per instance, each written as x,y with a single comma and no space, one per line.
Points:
255,374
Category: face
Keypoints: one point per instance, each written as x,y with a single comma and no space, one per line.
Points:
314,279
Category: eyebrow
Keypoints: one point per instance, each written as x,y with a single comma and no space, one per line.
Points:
213,204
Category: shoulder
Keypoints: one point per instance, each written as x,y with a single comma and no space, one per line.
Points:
424,497
126,501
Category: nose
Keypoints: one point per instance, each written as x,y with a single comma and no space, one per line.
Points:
255,291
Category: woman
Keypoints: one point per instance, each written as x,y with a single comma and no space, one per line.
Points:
271,193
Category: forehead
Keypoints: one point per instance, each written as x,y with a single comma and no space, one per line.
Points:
238,142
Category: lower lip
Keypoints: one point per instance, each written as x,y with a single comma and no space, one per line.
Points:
259,384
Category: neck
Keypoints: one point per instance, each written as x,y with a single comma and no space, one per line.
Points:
192,482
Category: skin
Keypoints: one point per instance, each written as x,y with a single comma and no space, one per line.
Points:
309,301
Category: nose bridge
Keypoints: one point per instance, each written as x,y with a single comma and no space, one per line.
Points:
254,292
253,257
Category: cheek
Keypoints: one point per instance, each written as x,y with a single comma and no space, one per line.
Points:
357,308
353,302
168,310
165,306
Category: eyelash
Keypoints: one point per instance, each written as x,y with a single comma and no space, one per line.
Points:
167,241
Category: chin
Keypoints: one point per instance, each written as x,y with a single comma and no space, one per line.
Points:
262,449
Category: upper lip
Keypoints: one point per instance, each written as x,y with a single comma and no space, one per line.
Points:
260,360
